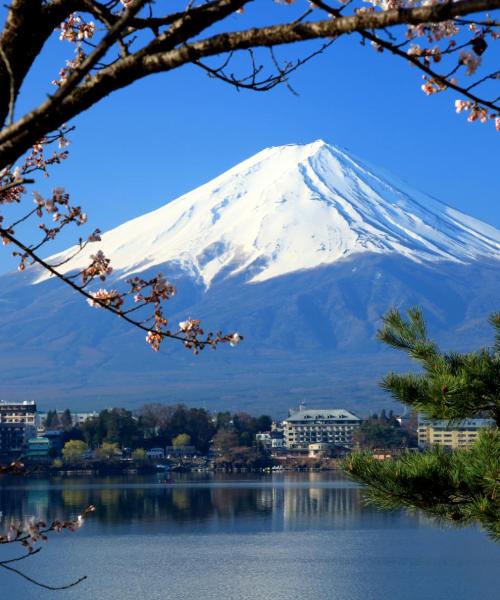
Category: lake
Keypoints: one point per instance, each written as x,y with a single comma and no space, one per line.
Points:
304,536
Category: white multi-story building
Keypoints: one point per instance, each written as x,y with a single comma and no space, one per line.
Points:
155,453
334,426
270,439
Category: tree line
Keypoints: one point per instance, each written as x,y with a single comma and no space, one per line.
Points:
160,425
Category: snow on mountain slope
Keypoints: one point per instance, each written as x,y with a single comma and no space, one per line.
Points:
290,208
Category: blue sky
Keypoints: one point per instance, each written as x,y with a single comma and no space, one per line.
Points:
151,142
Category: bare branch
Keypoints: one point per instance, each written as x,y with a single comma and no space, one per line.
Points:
45,586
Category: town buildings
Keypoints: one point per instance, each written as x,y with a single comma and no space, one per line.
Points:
38,449
452,435
155,453
331,426
270,440
17,425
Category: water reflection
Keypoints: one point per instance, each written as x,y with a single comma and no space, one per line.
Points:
214,502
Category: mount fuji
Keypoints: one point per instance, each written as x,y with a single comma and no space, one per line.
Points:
301,248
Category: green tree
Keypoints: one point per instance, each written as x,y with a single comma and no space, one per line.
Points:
378,433
73,450
263,423
200,428
139,455
66,420
223,420
89,431
154,418
183,439
459,487
247,426
52,420
116,425
108,451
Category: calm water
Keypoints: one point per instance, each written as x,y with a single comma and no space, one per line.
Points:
300,536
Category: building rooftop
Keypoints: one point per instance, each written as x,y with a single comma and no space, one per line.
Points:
336,414
456,424
17,403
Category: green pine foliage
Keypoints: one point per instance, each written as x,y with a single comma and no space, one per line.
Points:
452,386
459,487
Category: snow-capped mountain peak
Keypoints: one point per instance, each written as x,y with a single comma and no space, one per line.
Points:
290,208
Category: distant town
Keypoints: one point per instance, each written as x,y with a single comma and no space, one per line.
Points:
163,437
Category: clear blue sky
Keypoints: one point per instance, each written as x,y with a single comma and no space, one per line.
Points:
151,142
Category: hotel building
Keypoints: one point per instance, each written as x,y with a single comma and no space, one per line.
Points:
332,426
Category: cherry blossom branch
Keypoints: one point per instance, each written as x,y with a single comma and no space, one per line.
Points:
78,73
189,332
174,48
437,81
150,293
14,184
31,531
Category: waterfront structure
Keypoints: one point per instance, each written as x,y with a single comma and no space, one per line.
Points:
56,439
263,439
17,424
333,426
277,440
319,450
451,435
155,453
179,451
38,449
270,440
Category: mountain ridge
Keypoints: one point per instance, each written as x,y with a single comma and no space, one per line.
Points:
289,208
309,323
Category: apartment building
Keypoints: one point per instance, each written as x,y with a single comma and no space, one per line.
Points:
450,435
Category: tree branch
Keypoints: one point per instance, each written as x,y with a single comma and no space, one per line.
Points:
165,54
209,340
38,583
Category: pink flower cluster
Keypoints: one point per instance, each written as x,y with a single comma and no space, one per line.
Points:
36,159
432,85
103,298
470,60
27,533
71,65
99,267
476,113
74,29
